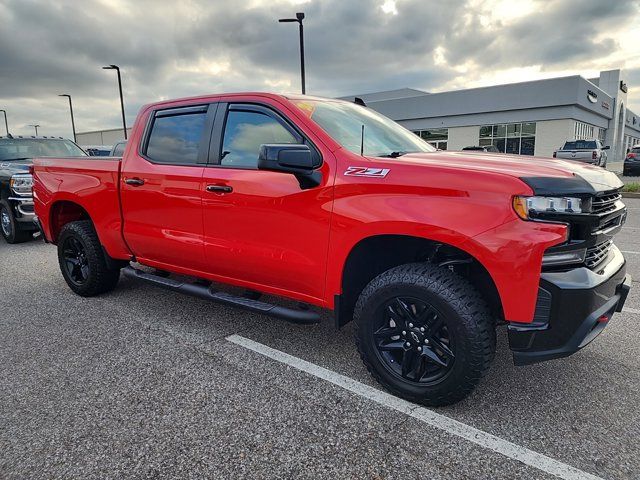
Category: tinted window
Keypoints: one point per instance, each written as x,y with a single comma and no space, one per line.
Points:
580,145
635,150
118,149
176,139
245,132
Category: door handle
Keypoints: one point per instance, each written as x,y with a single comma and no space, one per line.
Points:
134,182
219,188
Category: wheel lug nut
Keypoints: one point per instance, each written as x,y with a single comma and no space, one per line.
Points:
422,329
408,344
404,333
426,341
411,325
419,349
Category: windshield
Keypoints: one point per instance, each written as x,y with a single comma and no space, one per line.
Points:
343,122
20,148
580,145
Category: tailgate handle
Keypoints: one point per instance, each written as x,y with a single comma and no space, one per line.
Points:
219,188
135,182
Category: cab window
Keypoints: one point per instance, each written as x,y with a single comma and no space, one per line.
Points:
244,132
175,139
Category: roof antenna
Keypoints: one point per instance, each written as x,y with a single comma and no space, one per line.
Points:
359,101
362,142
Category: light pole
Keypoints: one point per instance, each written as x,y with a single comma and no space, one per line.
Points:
36,127
6,123
124,122
73,123
299,18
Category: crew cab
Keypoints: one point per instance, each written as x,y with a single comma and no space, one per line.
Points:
333,205
16,202
588,151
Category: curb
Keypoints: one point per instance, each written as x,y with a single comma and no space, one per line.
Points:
630,194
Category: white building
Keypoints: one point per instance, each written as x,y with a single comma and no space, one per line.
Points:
528,118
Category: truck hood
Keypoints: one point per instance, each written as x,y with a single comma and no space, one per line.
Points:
544,175
15,166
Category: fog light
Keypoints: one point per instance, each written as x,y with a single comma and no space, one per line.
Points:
563,258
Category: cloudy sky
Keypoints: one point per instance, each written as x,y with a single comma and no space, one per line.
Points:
170,49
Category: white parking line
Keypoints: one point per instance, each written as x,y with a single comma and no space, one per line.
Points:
436,420
630,251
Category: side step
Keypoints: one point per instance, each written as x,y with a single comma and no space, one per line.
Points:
201,291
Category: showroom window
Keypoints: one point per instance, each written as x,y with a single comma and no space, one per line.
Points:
584,131
517,138
438,137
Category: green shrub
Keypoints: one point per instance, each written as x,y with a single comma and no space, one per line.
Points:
632,187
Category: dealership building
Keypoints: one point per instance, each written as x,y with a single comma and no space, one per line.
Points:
528,118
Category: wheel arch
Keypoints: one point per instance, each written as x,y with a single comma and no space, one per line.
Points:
376,254
63,212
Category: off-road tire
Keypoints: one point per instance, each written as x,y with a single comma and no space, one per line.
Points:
15,235
100,278
467,316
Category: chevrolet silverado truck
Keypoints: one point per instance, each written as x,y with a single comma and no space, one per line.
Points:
330,204
587,151
16,202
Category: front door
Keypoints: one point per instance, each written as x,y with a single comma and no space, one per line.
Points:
261,228
162,188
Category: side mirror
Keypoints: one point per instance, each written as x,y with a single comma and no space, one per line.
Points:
290,158
606,148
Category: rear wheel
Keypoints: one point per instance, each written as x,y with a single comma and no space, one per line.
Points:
424,333
9,226
83,262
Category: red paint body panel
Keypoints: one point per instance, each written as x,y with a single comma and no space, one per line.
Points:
272,236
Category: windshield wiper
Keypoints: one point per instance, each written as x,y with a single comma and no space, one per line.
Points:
394,154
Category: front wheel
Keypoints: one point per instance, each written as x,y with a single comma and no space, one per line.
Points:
83,262
425,333
9,226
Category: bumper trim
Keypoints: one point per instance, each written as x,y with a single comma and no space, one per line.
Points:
578,317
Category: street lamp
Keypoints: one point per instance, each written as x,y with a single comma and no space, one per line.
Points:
299,18
36,127
124,122
6,124
73,124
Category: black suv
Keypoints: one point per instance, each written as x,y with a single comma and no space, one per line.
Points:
16,201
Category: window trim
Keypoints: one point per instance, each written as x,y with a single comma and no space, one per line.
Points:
209,109
220,124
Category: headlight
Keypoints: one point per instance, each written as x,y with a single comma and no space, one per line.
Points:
21,183
563,258
525,206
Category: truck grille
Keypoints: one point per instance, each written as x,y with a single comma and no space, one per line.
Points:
605,203
596,254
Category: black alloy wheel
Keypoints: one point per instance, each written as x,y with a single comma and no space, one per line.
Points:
75,261
413,341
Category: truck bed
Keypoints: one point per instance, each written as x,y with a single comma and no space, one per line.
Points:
93,184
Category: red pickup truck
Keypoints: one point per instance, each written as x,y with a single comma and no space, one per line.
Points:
331,204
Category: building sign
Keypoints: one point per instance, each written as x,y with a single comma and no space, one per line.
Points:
606,105
623,86
592,96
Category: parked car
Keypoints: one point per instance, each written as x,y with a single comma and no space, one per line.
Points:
118,149
632,162
97,150
16,201
332,204
484,148
588,151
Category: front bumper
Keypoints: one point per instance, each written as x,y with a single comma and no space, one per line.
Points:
573,308
24,211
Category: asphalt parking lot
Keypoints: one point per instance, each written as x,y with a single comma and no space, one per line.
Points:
143,383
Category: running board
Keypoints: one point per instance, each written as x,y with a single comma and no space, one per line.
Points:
201,291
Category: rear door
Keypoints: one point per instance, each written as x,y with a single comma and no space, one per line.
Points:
161,188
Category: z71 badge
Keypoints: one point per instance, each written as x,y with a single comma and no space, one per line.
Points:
367,172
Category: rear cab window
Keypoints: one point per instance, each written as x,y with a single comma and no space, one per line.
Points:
175,136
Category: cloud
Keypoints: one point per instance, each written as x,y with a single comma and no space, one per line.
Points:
170,49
